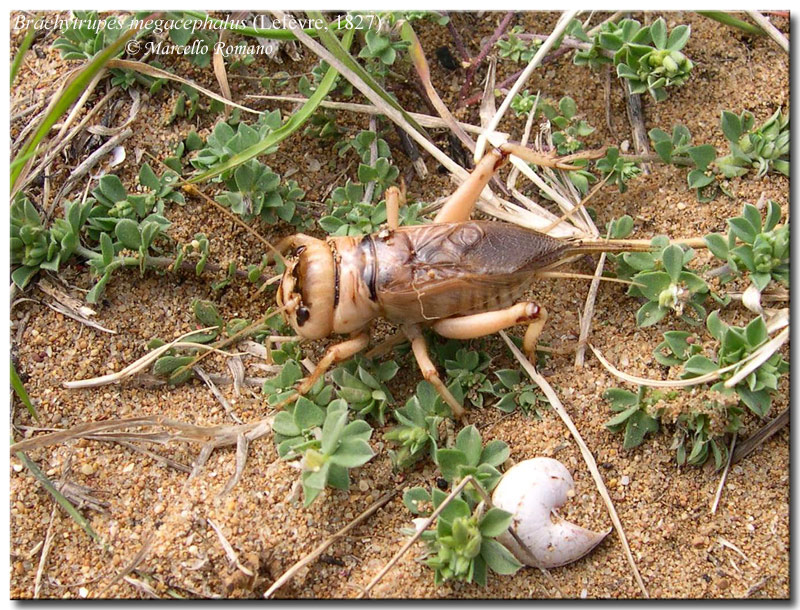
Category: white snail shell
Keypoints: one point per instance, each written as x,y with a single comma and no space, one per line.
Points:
530,490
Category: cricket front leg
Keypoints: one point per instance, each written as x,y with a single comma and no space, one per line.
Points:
459,206
429,372
487,323
333,355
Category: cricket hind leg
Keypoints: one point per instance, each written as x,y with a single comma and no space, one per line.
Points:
458,208
489,322
429,372
395,198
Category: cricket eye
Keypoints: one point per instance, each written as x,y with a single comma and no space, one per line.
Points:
302,315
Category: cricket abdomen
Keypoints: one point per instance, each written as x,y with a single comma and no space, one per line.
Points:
430,272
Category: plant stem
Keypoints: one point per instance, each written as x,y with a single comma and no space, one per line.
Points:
729,20
499,31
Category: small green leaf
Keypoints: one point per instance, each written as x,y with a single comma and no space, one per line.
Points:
672,257
495,522
718,245
470,444
449,462
352,452
495,453
127,232
498,557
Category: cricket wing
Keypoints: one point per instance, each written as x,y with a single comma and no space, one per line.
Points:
462,268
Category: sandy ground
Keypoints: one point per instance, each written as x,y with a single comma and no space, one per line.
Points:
675,540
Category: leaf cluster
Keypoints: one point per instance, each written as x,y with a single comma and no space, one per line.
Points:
362,383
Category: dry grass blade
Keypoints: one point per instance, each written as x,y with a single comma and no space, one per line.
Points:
313,555
70,313
724,476
488,107
219,70
216,436
754,441
231,554
89,163
48,541
217,394
588,312
425,525
132,565
142,586
770,29
424,73
139,364
241,461
148,70
674,383
555,402
425,120
532,65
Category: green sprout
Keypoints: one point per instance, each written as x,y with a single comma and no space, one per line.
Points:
513,392
328,444
362,383
633,413
648,58
514,48
618,170
463,545
735,344
764,149
471,457
662,278
764,249
417,429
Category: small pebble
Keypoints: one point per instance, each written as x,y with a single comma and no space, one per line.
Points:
363,485
584,593
624,480
87,469
83,592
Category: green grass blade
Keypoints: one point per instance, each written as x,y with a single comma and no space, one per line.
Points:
339,52
22,393
70,509
23,49
68,96
729,20
292,124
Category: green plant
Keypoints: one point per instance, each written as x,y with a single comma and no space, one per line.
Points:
695,440
362,383
633,413
328,444
764,249
471,457
568,126
380,47
283,385
734,345
523,103
87,34
512,392
677,147
514,48
764,149
617,168
351,215
417,431
463,544
648,58
467,369
662,278
224,142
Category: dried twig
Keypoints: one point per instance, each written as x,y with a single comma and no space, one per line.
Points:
724,476
633,105
425,525
757,439
770,29
313,555
232,557
555,402
476,62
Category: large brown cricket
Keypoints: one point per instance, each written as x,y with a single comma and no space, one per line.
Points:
461,278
